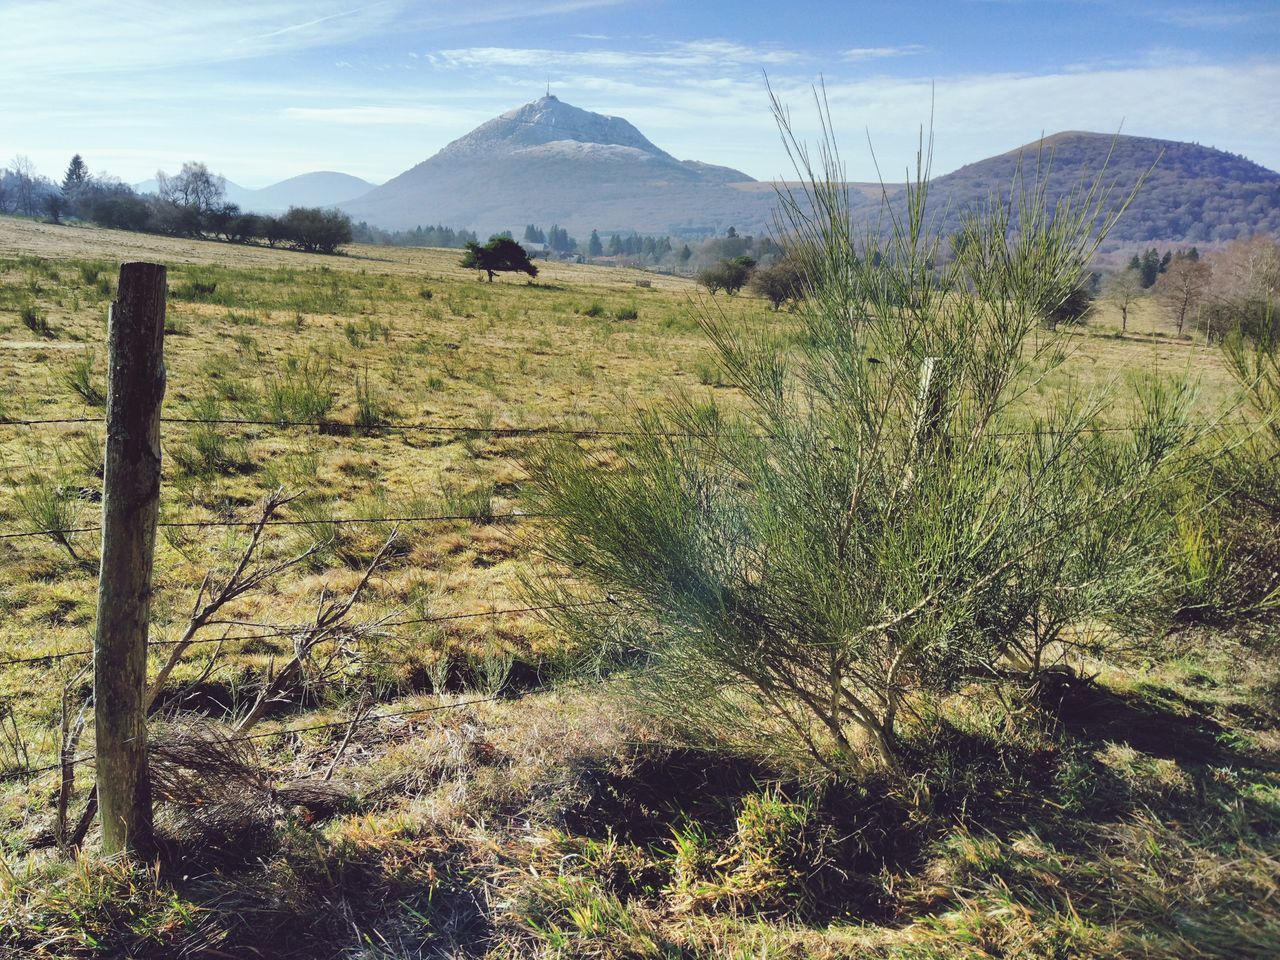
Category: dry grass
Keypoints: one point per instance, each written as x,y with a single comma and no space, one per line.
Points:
553,825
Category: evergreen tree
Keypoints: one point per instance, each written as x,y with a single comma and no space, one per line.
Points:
500,255
594,247
77,175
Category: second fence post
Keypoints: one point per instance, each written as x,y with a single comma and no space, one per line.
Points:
130,505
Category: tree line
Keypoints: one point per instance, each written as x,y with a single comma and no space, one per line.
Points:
191,203
1232,290
433,236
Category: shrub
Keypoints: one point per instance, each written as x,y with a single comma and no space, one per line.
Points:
370,411
779,282
207,450
34,321
312,229
727,275
474,501
882,527
82,381
299,391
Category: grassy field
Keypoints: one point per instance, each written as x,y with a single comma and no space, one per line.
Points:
553,823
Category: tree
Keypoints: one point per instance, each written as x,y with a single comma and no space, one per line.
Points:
1244,291
500,255
1182,287
867,539
1122,289
274,231
26,196
316,230
218,218
194,187
594,247
727,275
1072,305
54,205
782,280
77,176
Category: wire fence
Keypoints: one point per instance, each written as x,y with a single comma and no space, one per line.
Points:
278,631
34,773
264,631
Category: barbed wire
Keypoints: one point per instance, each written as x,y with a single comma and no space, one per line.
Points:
542,430
36,772
289,522
302,628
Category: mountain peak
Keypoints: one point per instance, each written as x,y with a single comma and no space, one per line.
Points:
550,120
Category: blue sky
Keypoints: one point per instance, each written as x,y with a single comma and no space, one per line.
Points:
265,89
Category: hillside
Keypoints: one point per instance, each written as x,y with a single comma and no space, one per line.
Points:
550,162
323,188
1194,194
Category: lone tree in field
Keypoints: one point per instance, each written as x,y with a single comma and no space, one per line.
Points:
727,275
500,255
780,282
1183,286
1122,290
316,230
882,523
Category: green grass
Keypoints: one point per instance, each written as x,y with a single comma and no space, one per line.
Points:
1142,820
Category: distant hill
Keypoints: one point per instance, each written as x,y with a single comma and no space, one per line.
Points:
549,162
1195,194
323,188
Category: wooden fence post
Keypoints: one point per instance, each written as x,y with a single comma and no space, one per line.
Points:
130,503
927,419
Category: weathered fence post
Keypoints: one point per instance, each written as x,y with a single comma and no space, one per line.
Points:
130,503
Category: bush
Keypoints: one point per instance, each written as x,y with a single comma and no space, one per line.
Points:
779,282
82,381
727,275
34,321
880,529
299,391
315,230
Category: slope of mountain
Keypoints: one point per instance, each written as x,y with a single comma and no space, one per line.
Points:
324,188
550,162
1192,194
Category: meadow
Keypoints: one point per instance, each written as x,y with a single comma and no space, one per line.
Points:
538,817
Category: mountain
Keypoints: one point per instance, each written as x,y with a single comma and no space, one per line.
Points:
550,162
323,188
1194,194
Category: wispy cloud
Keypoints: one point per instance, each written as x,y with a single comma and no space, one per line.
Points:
366,115
87,36
1206,18
882,53
684,55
